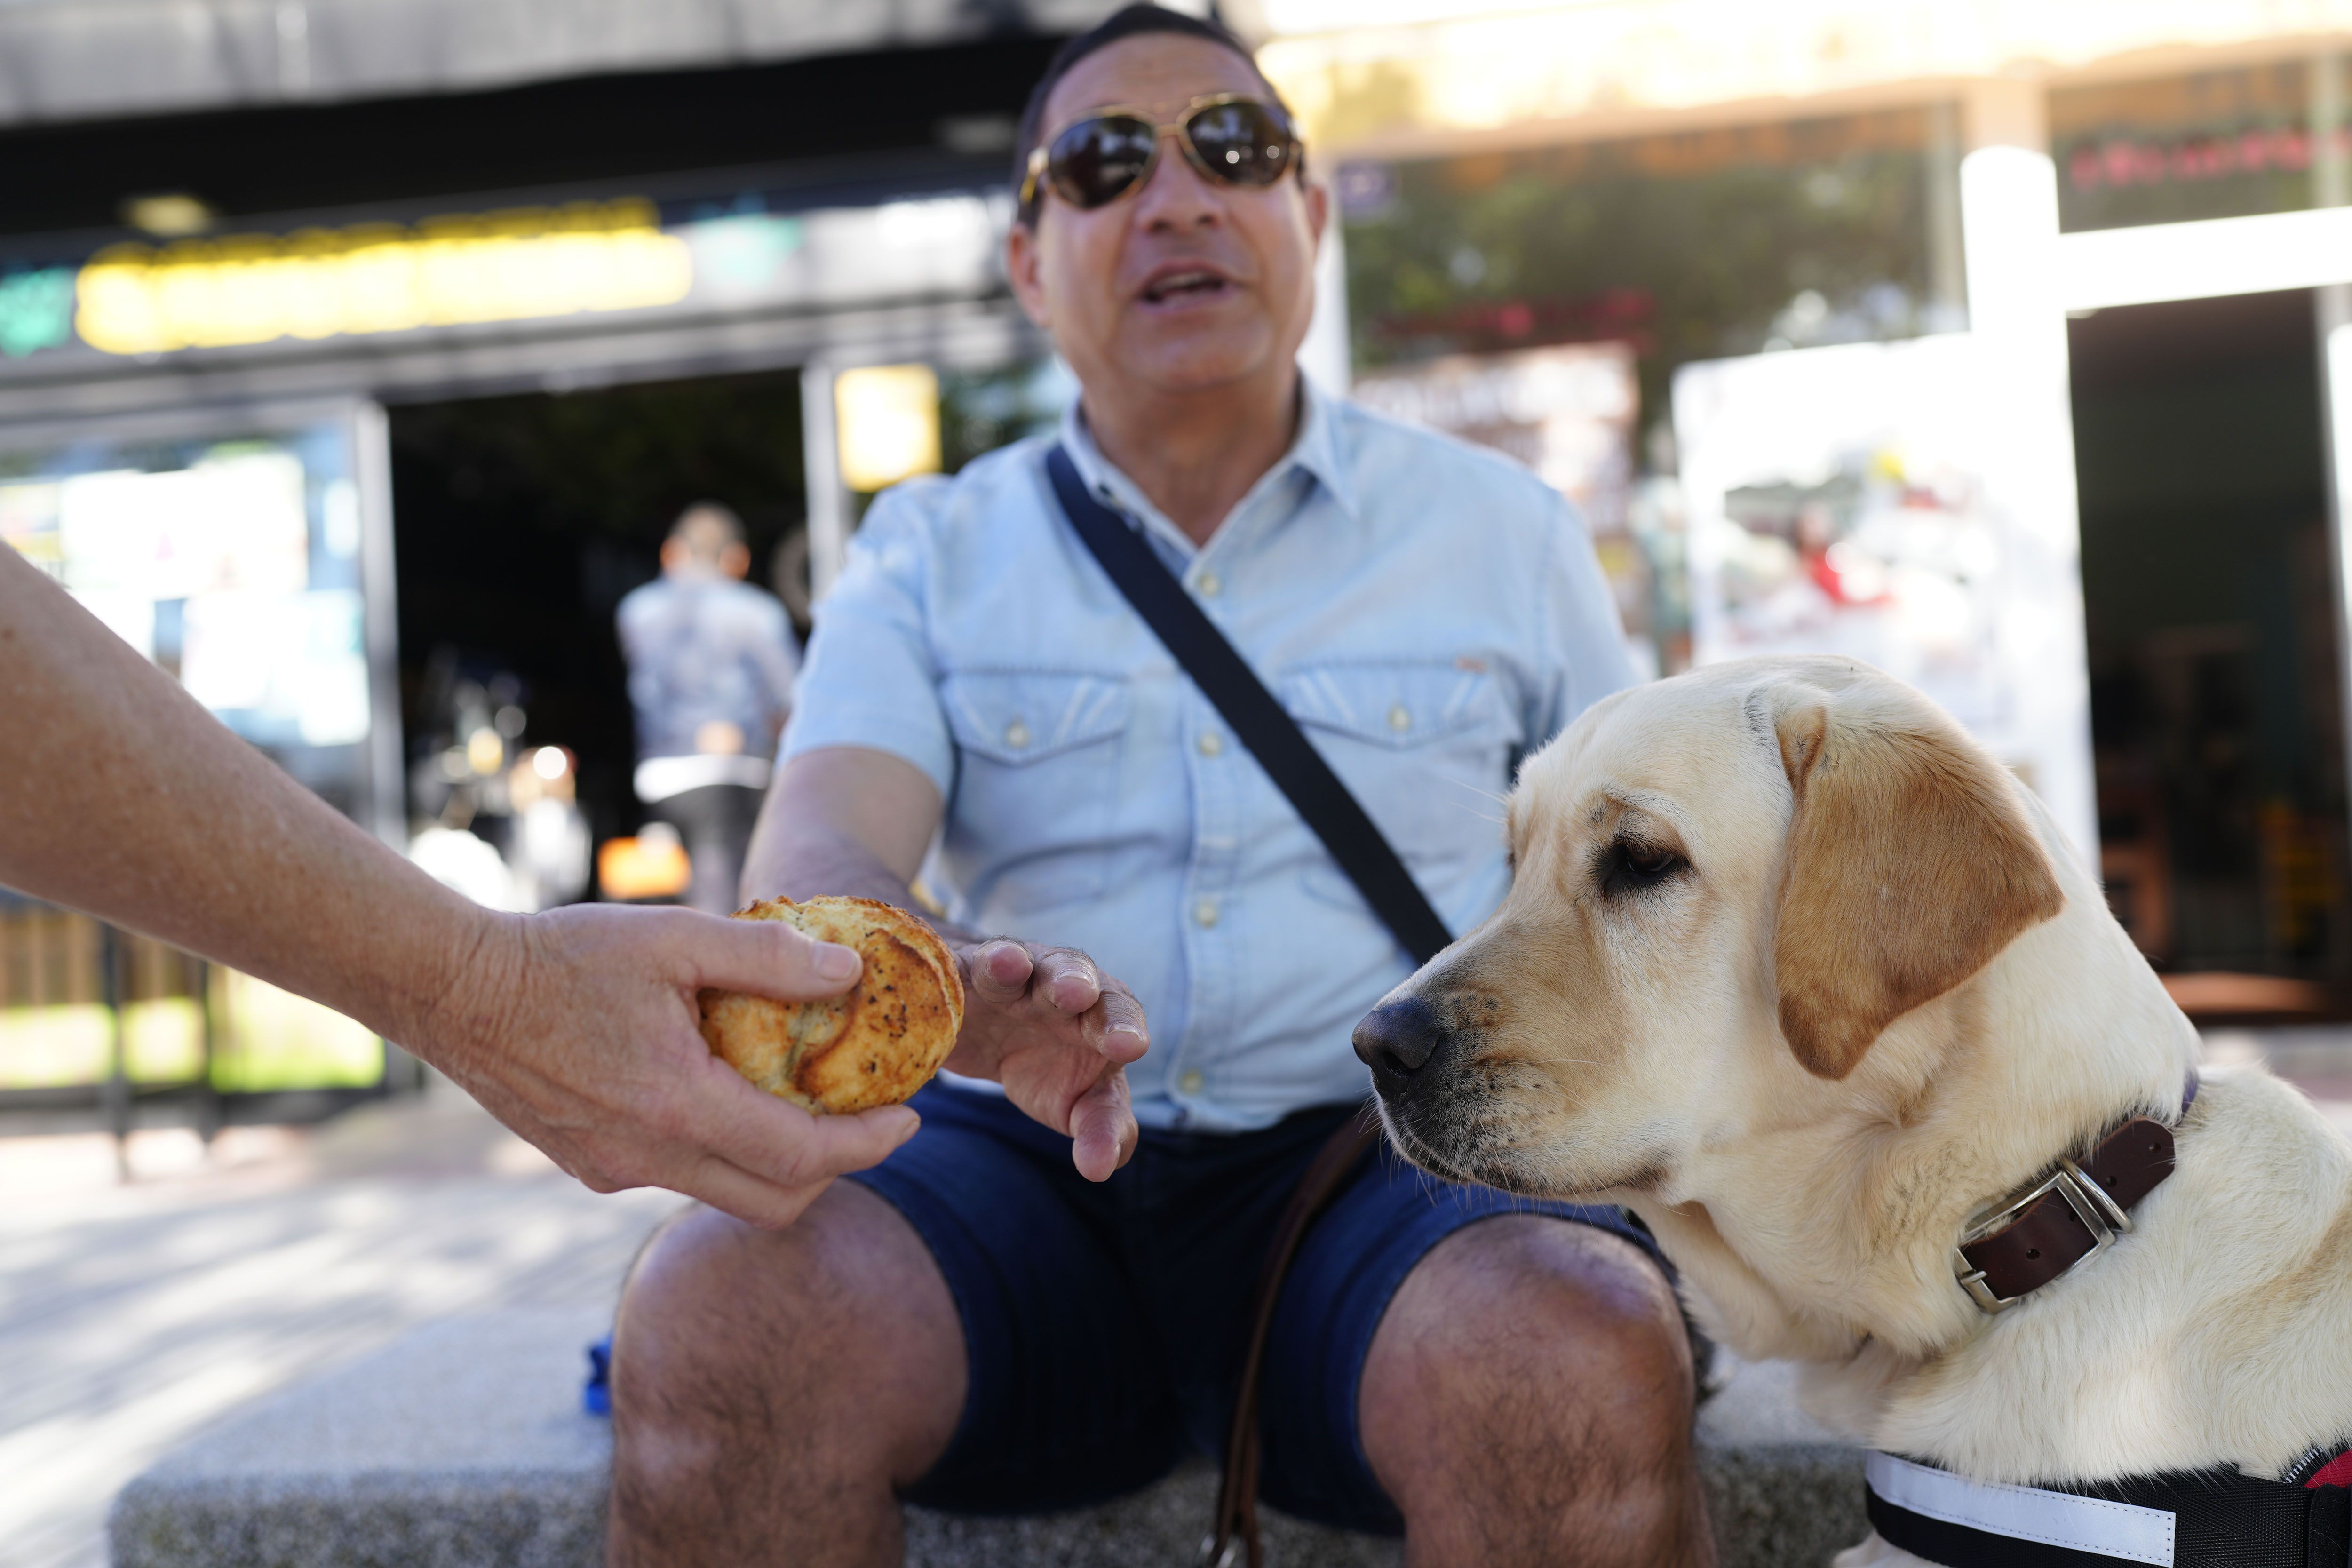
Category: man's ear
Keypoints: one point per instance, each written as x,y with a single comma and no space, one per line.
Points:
1910,864
1317,196
1021,264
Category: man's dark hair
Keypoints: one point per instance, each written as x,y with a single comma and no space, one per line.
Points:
1128,21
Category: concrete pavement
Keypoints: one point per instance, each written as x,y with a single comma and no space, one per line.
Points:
132,1316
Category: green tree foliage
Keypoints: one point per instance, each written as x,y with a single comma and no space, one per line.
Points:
1723,242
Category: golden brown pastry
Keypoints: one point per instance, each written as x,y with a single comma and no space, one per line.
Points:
874,1045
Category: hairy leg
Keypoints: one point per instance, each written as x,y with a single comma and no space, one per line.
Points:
772,1389
1528,1400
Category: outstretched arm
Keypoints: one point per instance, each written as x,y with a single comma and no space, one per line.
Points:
1042,1021
121,796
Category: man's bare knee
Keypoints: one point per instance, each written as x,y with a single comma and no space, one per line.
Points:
751,1368
1535,1372
1611,1324
722,1322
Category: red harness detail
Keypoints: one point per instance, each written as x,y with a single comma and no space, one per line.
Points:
2337,1472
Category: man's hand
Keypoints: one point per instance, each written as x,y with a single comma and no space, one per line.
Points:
578,1029
1058,1034
1042,1021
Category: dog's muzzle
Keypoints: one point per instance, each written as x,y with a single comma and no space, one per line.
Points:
1398,1040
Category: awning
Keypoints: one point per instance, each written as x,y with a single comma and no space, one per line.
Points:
83,60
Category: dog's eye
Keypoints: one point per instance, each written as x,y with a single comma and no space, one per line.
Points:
1629,867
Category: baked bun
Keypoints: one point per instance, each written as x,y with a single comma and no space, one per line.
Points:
874,1045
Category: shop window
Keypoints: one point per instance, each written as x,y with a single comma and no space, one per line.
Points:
1696,244
2212,630
2216,144
233,558
1663,250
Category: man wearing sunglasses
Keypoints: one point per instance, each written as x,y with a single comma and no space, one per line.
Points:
975,1326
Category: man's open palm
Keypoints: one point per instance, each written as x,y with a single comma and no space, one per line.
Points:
1058,1034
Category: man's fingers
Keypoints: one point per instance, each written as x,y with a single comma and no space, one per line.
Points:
776,1140
1102,1128
1000,970
767,1205
837,1145
770,959
1124,1037
1068,980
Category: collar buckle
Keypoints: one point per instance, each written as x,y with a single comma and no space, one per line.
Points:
2100,1214
2016,1241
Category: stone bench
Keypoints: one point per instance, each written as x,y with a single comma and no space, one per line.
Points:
464,1446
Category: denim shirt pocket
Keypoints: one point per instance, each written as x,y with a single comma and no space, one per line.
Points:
1037,764
1426,747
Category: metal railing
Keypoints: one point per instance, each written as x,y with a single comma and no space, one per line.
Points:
103,1027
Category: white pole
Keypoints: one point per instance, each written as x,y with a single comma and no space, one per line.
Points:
2331,186
371,438
2009,221
828,503
1324,356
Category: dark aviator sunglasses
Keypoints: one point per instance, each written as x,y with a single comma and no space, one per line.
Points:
1229,138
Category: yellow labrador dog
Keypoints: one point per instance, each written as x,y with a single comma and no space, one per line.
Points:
1792,968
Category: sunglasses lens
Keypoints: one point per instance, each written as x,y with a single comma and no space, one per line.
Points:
1095,161
1242,143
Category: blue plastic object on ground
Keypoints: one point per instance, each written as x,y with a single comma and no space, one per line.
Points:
596,1394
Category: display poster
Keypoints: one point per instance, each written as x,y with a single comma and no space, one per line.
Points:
1568,413
234,563
1841,501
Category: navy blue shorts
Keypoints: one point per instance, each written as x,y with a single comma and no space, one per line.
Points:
1104,1323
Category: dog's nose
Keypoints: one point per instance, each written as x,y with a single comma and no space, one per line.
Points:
1396,1039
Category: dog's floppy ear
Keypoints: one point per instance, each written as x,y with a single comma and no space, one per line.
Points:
1910,864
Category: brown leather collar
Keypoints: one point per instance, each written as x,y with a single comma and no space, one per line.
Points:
2068,1214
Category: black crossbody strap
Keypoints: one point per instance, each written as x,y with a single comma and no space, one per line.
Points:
1289,759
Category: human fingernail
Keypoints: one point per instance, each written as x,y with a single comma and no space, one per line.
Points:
834,961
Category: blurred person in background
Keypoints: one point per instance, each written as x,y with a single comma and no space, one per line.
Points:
971,1326
711,661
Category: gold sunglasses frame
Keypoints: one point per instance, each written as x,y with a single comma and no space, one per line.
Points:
1042,154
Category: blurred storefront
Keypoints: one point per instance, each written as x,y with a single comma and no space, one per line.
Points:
354,359
1995,345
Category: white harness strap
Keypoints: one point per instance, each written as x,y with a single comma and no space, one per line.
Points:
2116,1530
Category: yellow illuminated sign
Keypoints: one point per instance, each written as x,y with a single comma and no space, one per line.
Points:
888,416
380,277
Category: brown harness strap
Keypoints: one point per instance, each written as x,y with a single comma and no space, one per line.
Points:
1238,1489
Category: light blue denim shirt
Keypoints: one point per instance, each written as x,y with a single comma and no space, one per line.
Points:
1429,612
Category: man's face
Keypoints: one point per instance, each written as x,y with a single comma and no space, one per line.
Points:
1182,284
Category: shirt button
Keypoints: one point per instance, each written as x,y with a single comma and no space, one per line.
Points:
1204,913
1016,734
1400,719
1210,744
1208,584
1193,1082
